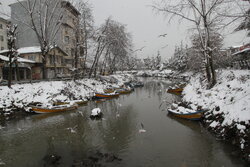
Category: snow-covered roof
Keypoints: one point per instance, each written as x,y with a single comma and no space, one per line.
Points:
19,59
25,50
4,58
4,51
35,49
22,60
242,51
236,46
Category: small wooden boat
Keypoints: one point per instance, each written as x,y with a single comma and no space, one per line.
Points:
189,114
124,91
53,109
109,90
79,102
177,89
179,110
106,95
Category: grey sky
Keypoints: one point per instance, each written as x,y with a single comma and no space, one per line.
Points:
145,26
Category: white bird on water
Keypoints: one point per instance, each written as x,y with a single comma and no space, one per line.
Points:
72,130
142,130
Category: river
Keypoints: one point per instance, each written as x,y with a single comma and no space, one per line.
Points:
72,139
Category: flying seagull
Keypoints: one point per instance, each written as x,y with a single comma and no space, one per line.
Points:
164,47
142,130
162,35
139,49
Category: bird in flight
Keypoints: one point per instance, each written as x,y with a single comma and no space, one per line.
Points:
162,35
142,130
164,47
139,49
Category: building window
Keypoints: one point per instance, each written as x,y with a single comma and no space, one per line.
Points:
66,39
72,52
1,26
2,48
32,57
1,38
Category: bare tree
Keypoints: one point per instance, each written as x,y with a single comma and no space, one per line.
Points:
112,38
245,23
45,18
85,29
205,17
12,50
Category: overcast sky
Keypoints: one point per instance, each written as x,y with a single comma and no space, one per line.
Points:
145,26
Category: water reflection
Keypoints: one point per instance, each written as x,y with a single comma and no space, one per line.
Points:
73,136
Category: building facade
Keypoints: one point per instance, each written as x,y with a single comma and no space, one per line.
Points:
66,36
3,33
56,66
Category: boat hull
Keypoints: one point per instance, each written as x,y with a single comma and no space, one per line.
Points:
123,91
103,96
41,110
177,90
79,102
196,116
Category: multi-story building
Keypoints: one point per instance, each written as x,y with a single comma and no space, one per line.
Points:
3,33
66,36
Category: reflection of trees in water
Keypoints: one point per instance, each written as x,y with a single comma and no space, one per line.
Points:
158,87
197,140
119,127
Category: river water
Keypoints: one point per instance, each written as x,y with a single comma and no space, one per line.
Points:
77,140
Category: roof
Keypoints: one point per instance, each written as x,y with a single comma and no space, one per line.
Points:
4,58
19,59
22,60
242,51
33,49
4,51
71,7
4,20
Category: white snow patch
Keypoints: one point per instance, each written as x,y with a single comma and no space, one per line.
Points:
231,95
214,124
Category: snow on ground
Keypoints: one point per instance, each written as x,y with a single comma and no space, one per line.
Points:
166,73
230,97
20,96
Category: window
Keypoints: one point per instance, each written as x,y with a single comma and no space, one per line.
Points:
66,39
52,59
2,48
1,38
72,52
1,26
32,57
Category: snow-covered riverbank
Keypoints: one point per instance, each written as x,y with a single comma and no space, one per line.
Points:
20,96
228,104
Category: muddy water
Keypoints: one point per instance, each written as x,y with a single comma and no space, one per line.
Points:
72,139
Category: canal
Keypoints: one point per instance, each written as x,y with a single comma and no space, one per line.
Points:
72,139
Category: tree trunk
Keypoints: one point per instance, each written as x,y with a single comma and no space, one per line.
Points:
10,70
54,57
17,71
44,69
